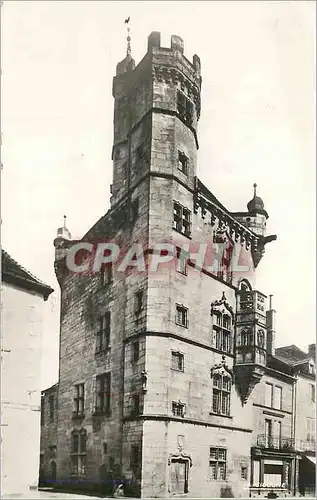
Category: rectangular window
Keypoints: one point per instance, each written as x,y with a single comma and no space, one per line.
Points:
181,219
181,316
135,209
269,395
79,399
177,361
78,453
278,397
268,433
136,404
182,163
185,108
52,407
312,393
106,274
135,457
181,262
244,472
42,410
221,395
178,409
222,332
103,394
135,351
139,302
103,334
218,463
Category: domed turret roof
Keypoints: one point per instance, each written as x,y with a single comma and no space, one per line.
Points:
256,205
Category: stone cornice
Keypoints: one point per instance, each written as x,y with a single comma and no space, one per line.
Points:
172,75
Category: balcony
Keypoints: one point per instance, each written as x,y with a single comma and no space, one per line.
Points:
275,442
307,445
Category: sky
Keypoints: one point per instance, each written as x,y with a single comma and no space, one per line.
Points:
257,125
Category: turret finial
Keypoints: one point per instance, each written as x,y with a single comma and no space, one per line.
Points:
254,187
127,21
271,301
65,221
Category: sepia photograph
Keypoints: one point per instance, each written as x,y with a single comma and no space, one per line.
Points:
158,241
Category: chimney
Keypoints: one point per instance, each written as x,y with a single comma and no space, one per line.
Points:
270,326
312,351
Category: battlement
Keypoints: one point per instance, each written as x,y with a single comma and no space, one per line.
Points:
176,46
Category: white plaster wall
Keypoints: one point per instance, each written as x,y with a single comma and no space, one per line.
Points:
20,388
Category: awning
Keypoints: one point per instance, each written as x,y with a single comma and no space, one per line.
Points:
311,459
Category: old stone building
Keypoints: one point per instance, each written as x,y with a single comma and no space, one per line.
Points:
163,373
23,298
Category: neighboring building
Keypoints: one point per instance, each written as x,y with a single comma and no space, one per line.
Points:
163,375
21,331
47,475
303,366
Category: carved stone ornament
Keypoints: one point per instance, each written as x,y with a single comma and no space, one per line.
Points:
221,369
180,455
221,305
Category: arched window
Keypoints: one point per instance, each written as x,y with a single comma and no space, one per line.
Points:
245,286
221,393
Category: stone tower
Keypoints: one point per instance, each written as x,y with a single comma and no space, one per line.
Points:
147,385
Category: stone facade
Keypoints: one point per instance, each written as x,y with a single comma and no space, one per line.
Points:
21,340
162,372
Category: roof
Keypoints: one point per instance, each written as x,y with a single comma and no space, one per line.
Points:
291,354
14,274
53,388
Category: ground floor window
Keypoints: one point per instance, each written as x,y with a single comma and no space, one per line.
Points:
78,453
218,463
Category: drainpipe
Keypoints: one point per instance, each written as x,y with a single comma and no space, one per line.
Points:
294,407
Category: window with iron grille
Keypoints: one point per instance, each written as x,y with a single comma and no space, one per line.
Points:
221,394
182,163
103,334
135,351
177,361
78,452
181,318
178,409
222,332
181,219
181,262
79,399
52,407
218,463
139,301
103,394
106,274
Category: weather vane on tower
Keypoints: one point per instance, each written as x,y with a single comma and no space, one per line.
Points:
127,21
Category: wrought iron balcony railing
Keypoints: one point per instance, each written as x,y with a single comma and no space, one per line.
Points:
308,445
275,442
